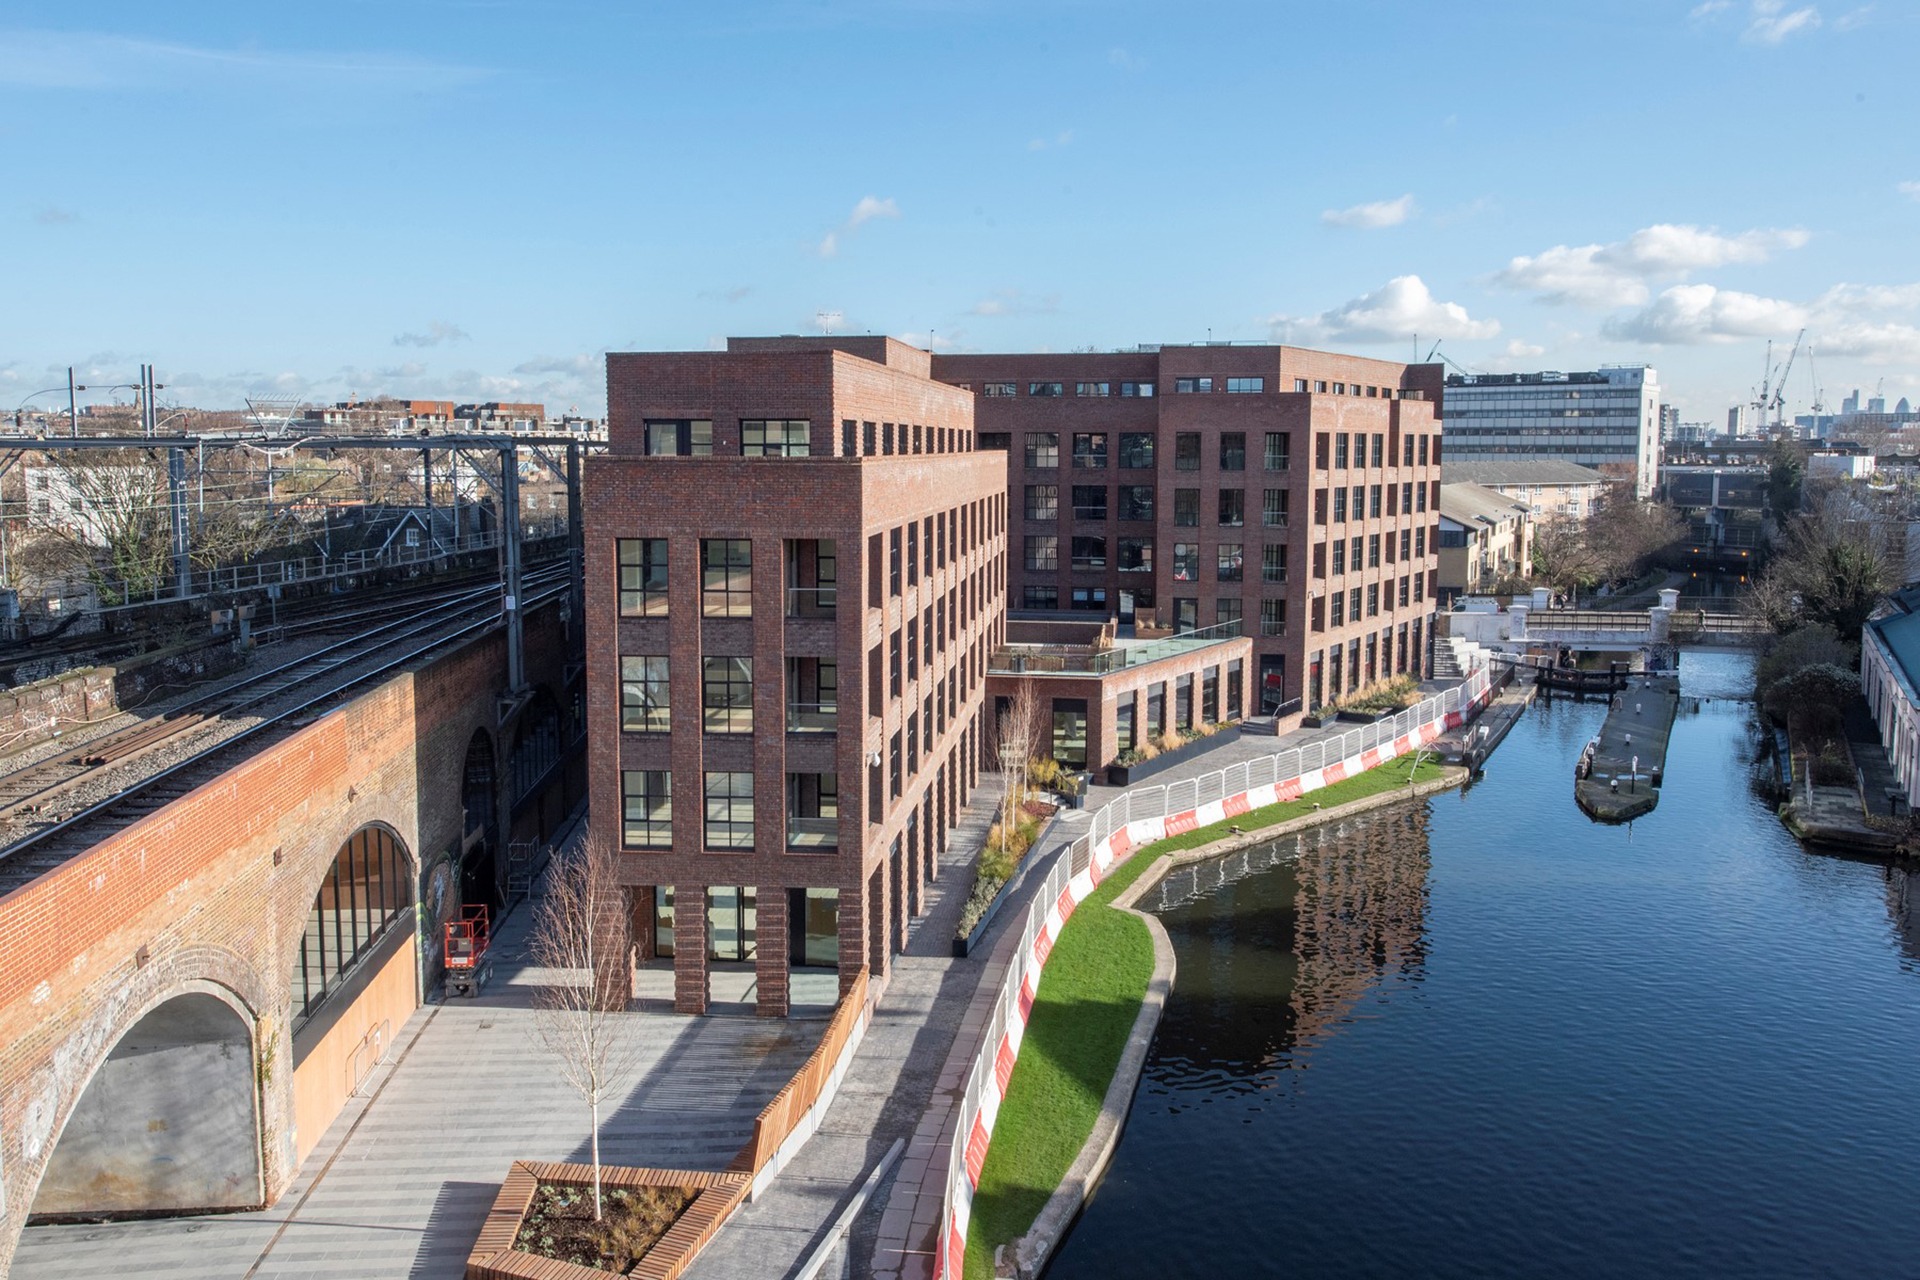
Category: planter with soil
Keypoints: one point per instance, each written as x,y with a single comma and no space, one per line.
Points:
973,927
542,1221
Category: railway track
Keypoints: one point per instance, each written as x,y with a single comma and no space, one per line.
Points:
306,688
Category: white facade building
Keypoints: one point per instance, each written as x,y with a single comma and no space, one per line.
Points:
1607,419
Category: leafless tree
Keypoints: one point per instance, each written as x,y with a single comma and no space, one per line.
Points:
1562,558
1019,731
579,933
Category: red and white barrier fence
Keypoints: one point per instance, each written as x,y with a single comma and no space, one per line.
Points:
1138,818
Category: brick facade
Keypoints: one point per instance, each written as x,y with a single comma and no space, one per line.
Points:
883,475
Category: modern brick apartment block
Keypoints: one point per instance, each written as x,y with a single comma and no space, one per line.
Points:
796,571
1294,491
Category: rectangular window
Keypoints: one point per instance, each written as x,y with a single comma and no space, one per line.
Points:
896,766
1043,502
1090,450
1186,451
684,437
643,577
1135,555
1273,508
1186,562
1337,614
1001,440
1186,507
643,695
1299,384
1373,501
997,390
1156,709
726,578
1210,695
1419,497
1233,451
1089,502
813,811
1373,551
1136,502
1092,599
1123,739
913,552
1279,451
1318,620
1339,556
1090,389
1228,562
1246,386
1136,450
1340,450
1191,386
1273,562
1142,389
1379,450
1319,506
1319,560
1423,451
896,665
1046,389
1340,505
726,695
1089,553
1043,552
1420,541
646,809
1043,450
775,437
1039,597
1320,451
1233,508
1236,688
1373,599
1183,702
1273,617
729,811
893,562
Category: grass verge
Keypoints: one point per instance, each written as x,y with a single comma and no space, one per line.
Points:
1089,997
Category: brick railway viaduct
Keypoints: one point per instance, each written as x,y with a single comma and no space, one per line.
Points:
165,1044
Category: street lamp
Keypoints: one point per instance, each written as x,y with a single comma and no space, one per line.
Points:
72,412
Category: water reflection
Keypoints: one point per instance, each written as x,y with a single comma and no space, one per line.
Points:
1299,932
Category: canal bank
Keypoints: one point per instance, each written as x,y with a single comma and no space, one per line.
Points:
1482,1035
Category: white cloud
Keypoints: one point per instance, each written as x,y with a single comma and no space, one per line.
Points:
1853,19
1519,350
580,365
1701,12
1120,58
1061,139
1887,342
869,208
98,60
1380,213
1012,302
1911,190
1691,314
931,340
1396,311
1773,23
405,369
1615,275
437,332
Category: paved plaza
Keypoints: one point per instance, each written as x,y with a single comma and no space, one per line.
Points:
399,1185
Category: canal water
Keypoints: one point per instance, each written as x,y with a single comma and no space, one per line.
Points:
1483,1036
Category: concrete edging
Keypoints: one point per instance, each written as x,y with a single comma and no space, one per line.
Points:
1030,1253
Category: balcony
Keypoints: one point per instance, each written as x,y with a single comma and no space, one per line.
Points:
1073,659
813,717
813,695
812,833
812,602
812,577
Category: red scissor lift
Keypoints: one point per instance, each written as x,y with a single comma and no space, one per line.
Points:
468,966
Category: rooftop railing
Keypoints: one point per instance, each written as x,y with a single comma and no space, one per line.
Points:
1076,659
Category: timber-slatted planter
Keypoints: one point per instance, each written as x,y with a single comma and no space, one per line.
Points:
495,1258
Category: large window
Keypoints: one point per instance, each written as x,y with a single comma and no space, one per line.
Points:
1089,553
1136,450
1043,552
729,810
363,896
646,809
1273,562
1186,451
643,577
726,577
1033,596
1273,617
1043,450
1186,562
683,437
1189,386
1228,562
813,811
1246,386
1043,502
1136,502
1090,450
1273,508
726,695
1233,451
1233,507
1186,507
775,437
1142,389
1089,502
643,695
1279,450
1135,555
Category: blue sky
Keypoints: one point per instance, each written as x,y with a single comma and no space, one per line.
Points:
476,198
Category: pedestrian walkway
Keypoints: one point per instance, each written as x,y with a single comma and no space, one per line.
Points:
886,1092
401,1182
1880,789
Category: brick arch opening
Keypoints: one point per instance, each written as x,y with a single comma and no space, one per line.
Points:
480,824
361,908
539,741
169,1123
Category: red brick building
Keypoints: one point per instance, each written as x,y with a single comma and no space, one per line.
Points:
1293,491
796,571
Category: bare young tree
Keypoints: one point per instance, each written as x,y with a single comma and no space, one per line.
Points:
579,932
1019,730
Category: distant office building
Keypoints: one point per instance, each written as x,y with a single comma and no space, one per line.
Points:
1877,404
1547,488
1607,419
1851,404
1669,421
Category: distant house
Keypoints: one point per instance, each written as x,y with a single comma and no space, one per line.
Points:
1548,487
1484,536
1890,679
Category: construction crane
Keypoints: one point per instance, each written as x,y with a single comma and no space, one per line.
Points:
1819,393
1452,364
1779,399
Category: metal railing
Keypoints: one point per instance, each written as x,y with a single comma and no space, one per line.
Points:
1066,659
1138,803
812,602
812,833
